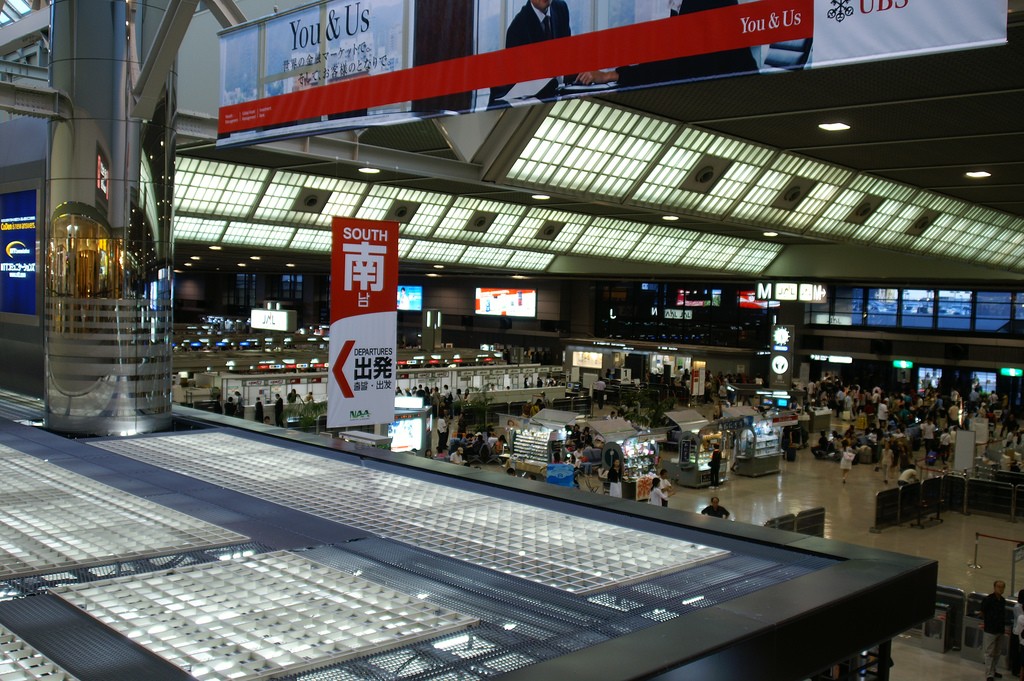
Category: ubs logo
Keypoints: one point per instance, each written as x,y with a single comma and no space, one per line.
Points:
842,9
17,248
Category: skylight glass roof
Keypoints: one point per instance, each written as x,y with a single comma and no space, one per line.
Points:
214,188
756,207
525,235
285,187
312,240
12,10
431,208
609,238
453,224
198,229
266,236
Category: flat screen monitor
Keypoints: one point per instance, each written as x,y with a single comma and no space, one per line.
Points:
410,298
506,302
709,297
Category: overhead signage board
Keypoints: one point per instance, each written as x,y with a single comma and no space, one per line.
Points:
273,320
339,64
18,252
1011,371
791,291
903,364
781,362
364,322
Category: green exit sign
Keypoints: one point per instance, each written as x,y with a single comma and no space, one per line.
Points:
903,364
1011,371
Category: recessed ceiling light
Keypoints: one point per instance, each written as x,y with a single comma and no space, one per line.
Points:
518,276
242,264
194,257
366,170
178,271
215,248
978,174
540,197
433,274
771,234
289,264
188,264
669,218
254,257
834,127
438,267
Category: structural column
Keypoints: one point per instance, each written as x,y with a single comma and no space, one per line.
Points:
109,258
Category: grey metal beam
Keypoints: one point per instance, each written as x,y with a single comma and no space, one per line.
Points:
25,31
226,12
33,101
161,57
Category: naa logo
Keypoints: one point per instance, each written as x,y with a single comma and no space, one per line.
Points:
843,9
355,414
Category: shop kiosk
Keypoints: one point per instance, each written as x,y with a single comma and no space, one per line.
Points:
685,437
755,442
637,450
533,441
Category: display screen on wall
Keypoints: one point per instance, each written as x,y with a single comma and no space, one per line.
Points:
410,298
708,297
406,434
748,301
506,302
18,254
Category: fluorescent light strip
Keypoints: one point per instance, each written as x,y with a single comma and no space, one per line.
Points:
661,188
215,188
248,234
487,256
609,238
436,251
432,208
453,224
531,260
755,207
189,228
285,187
524,235
587,147
663,245
312,240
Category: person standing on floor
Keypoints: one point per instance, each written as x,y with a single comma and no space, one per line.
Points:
1014,649
657,496
615,479
715,464
259,410
993,614
889,469
279,411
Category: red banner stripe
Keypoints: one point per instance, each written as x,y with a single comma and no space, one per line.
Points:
682,36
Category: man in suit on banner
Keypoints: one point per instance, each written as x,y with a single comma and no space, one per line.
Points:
538,20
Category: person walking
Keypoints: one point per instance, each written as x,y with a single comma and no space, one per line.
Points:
993,614
715,465
846,461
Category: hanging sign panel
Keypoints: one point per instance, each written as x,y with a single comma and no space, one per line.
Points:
343,64
364,322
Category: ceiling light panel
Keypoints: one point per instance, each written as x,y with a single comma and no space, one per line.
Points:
432,207
887,221
187,228
712,252
486,256
284,187
530,260
663,244
312,240
586,147
524,235
756,205
661,187
453,224
267,236
609,238
214,188
754,257
405,246
437,252
949,209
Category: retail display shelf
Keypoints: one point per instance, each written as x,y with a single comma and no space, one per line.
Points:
54,520
571,553
266,616
20,662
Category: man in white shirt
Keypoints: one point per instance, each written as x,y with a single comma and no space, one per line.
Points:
883,415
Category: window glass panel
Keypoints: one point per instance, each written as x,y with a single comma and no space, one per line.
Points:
918,308
882,306
992,311
954,310
849,307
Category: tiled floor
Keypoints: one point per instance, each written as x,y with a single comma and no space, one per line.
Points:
809,483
